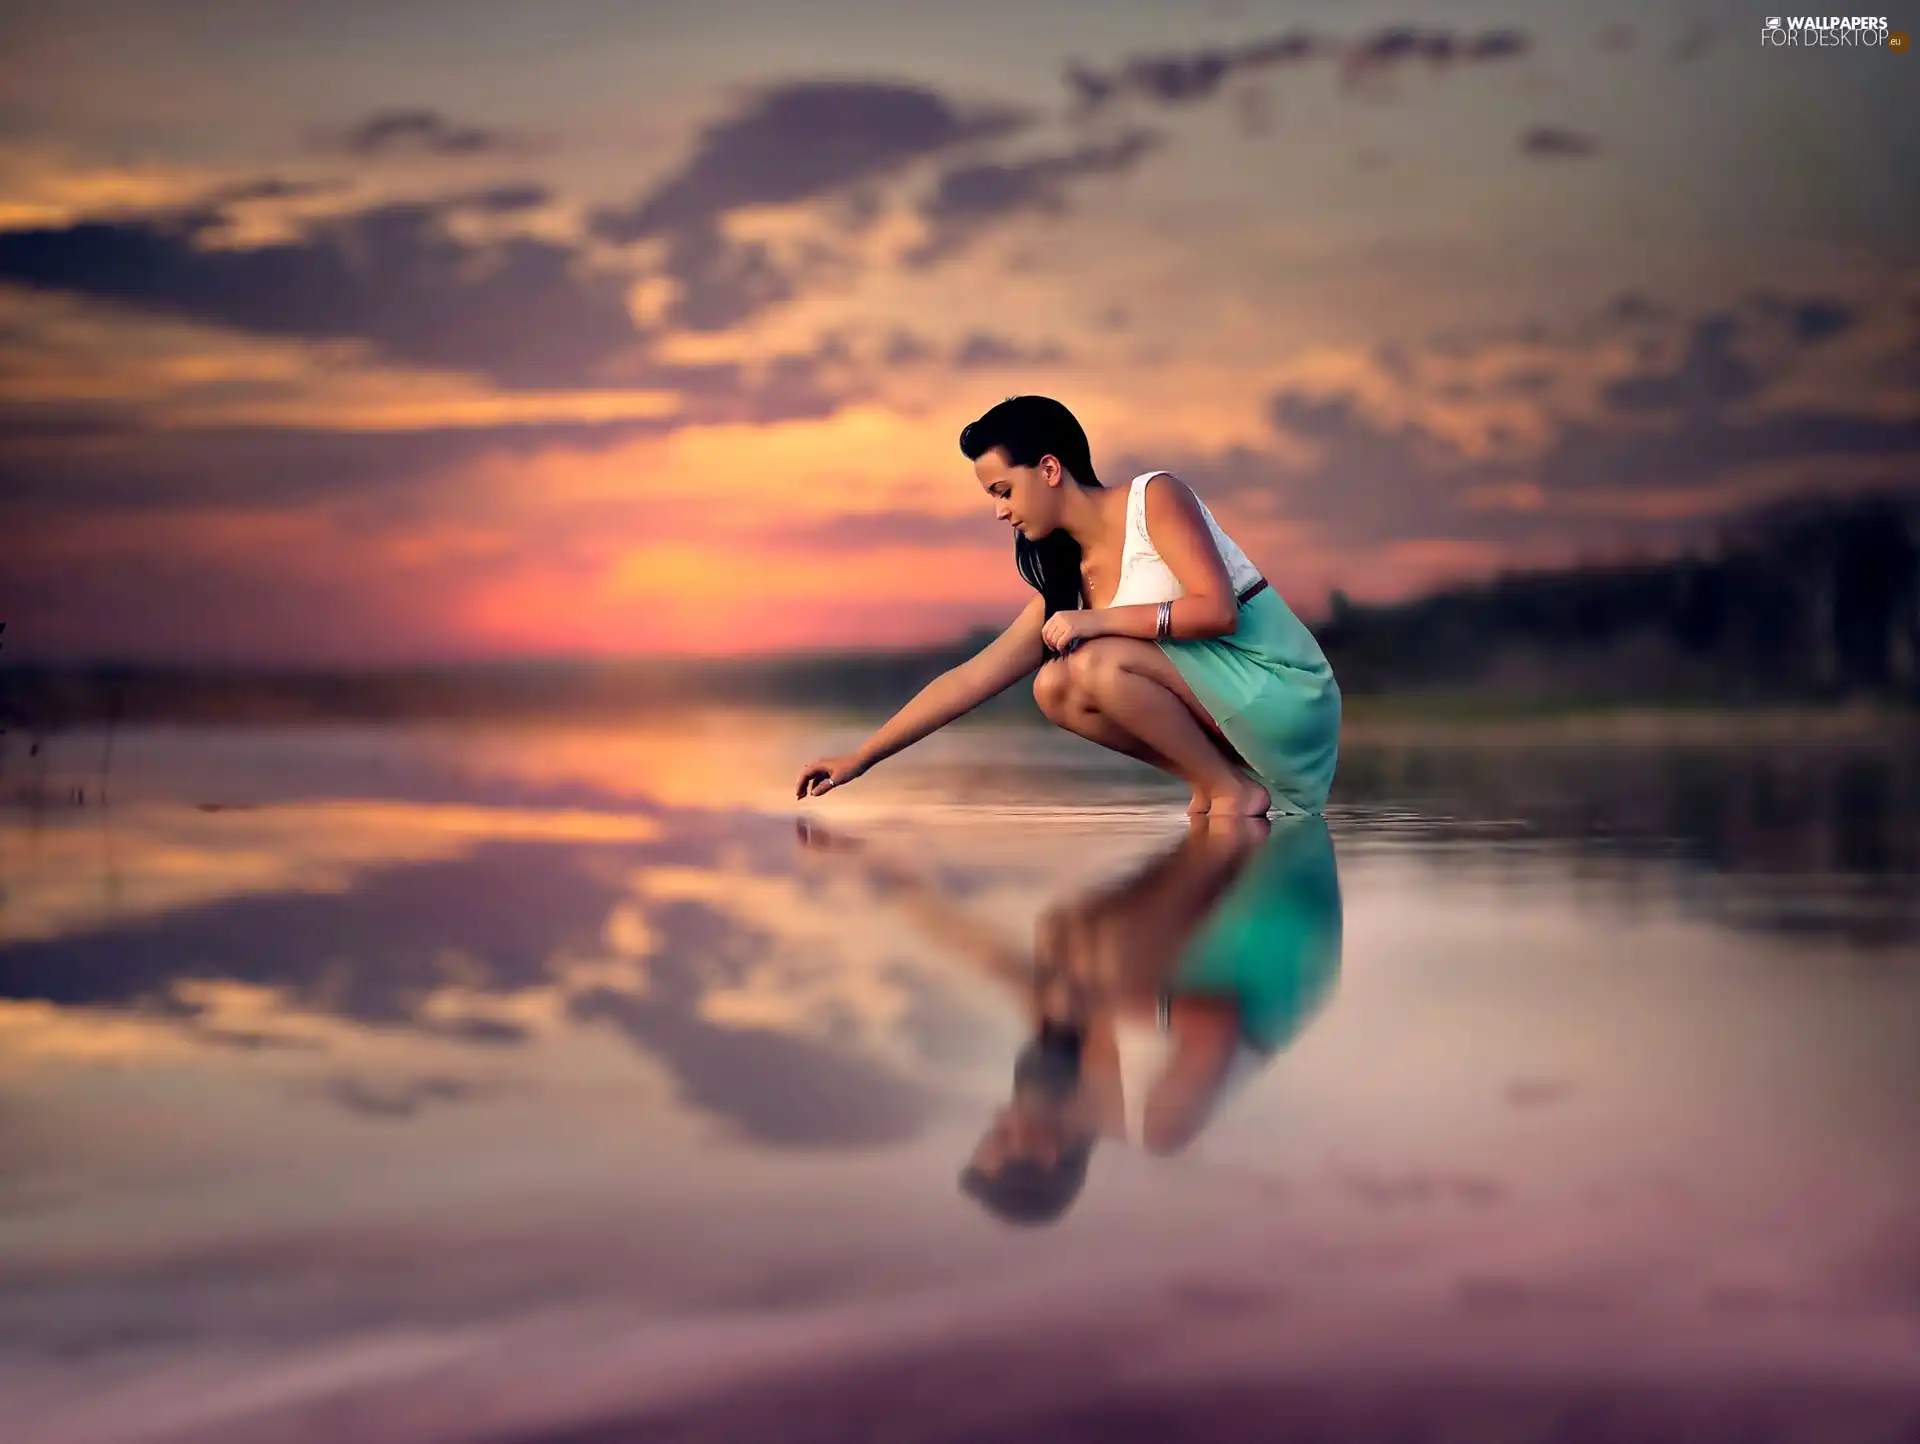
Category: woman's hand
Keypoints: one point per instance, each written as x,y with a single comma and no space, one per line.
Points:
828,773
1066,630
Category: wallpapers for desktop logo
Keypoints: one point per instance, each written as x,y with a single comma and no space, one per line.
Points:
1858,31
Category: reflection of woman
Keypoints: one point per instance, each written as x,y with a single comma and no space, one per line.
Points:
1214,956
1166,643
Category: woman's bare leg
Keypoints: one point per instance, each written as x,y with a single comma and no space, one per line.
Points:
1070,709
1145,709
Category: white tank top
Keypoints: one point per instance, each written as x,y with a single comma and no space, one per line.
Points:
1144,577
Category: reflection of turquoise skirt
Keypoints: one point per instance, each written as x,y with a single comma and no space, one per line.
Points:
1272,946
1269,688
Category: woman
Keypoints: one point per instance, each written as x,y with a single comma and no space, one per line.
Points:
1190,661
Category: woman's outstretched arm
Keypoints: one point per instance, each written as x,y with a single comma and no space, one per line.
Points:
982,943
1014,654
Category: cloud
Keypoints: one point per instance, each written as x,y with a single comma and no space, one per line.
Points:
118,462
523,310
970,197
390,1100
1396,47
779,1088
776,1088
1693,44
419,132
498,922
1710,374
906,349
826,141
1665,447
1555,142
1187,77
1810,319
270,189
866,531
799,141
983,349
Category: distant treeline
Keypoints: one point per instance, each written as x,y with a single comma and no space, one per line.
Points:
1809,599
1815,599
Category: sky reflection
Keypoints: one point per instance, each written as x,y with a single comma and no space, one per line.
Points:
445,1086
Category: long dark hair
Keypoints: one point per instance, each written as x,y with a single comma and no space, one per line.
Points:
1028,428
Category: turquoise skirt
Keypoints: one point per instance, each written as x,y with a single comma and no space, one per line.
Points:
1270,690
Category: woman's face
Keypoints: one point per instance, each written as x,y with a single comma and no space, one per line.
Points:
1025,497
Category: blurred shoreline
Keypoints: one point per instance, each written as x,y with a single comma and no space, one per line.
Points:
47,700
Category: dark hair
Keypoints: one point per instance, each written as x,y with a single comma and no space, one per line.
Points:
1028,428
1021,1190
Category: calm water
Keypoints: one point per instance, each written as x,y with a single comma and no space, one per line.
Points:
437,1084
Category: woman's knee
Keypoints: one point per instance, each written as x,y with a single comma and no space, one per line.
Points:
1053,688
1093,666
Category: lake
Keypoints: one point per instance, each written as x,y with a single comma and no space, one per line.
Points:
550,1082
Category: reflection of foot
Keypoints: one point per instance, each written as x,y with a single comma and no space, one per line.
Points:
1202,801
1249,799
1236,829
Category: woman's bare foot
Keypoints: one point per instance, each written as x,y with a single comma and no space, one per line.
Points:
1202,802
1248,799
1232,830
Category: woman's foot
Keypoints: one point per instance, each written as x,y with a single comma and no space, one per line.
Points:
1202,802
1246,799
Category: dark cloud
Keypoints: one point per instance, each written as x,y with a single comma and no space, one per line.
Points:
721,282
270,189
1668,429
419,132
522,311
393,1100
828,141
495,922
1556,142
506,199
1194,75
776,1088
1710,374
1810,320
374,953
1617,38
1633,307
1710,449
1187,77
1693,43
106,461
1386,51
970,197
1526,381
983,349
800,141
906,349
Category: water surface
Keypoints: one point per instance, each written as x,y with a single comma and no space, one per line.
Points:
544,1083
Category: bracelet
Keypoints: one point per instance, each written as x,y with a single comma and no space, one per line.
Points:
1164,627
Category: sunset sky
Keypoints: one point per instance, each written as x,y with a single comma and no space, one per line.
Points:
359,332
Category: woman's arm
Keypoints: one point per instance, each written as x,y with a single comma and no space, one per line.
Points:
1180,534
1014,654
927,905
